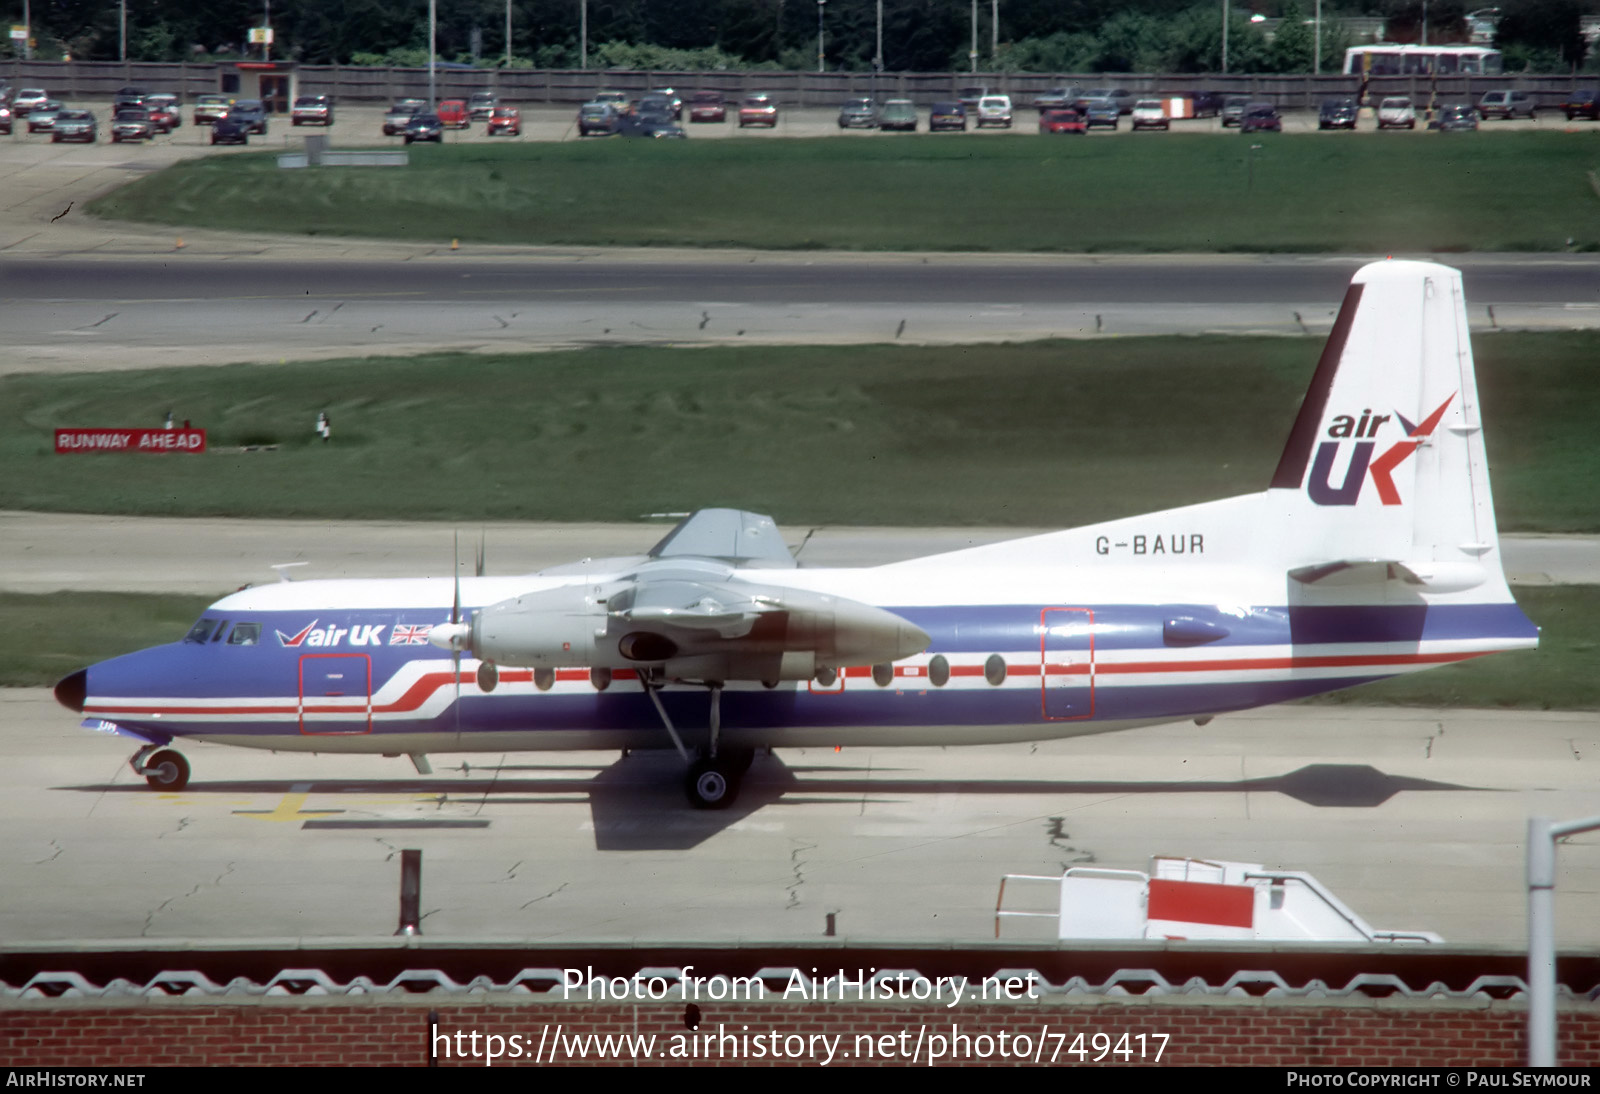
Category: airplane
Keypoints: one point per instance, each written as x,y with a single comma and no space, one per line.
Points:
1372,552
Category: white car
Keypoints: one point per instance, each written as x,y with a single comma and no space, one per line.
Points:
1149,114
1396,112
994,110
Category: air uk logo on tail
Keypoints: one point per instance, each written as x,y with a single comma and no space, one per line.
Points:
1362,430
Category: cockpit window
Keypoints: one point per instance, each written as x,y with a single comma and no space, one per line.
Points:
245,634
222,629
200,631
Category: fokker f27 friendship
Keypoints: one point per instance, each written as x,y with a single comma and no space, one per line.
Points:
1372,552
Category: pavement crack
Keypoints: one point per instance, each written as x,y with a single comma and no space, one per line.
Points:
391,848
52,858
183,822
546,896
102,319
63,212
705,317
1058,837
511,874
797,867
312,314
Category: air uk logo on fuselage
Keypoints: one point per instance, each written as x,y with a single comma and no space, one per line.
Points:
361,634
1362,430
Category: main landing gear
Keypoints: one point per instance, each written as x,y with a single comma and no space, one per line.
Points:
713,778
162,768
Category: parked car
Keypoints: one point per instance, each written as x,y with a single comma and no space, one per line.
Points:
230,130
165,110
132,124
971,95
74,125
1150,114
618,99
1233,108
1396,112
671,96
1260,118
1121,97
1583,103
898,114
947,115
209,108
708,106
1455,117
1057,98
424,126
657,104
28,100
253,111
1207,104
653,122
312,110
453,114
403,110
858,114
43,116
994,110
481,106
6,119
1103,113
1064,120
1337,114
506,120
597,119
758,109
127,97
1507,104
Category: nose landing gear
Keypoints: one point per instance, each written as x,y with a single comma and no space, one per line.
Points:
162,768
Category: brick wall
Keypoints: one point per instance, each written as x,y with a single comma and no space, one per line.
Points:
181,1032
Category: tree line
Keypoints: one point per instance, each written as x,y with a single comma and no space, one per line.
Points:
918,35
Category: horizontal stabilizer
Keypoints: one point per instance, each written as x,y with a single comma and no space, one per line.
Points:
1434,577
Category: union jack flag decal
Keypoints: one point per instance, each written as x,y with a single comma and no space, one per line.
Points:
409,636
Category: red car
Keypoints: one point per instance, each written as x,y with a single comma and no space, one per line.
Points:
759,110
708,106
505,119
453,114
1062,121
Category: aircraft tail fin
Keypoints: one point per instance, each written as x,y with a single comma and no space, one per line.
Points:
1385,466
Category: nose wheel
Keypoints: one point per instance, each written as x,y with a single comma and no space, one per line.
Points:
162,768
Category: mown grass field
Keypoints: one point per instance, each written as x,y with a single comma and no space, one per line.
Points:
1040,434
43,638
1364,192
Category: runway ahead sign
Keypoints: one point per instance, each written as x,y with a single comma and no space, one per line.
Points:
129,440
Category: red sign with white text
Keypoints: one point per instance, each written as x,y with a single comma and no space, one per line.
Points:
130,440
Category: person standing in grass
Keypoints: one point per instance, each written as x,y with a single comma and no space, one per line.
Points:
324,429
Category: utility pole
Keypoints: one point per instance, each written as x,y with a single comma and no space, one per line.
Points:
508,33
994,34
1316,48
1224,37
583,34
433,37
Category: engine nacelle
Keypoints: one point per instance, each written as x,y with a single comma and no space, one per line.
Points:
690,630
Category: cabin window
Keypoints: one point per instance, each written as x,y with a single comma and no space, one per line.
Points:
994,669
939,670
245,634
200,631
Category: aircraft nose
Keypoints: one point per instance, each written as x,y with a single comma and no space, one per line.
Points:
71,690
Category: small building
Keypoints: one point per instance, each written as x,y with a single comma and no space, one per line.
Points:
275,83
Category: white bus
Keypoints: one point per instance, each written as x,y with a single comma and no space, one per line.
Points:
1394,60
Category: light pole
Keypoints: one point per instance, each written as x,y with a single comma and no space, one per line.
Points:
972,53
508,34
1316,43
821,57
583,34
433,29
1224,37
994,34
1542,836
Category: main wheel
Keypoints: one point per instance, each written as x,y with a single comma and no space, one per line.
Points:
167,770
712,784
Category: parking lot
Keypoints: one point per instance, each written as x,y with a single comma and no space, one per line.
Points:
362,126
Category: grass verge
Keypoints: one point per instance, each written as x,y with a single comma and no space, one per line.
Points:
44,637
1376,193
1049,433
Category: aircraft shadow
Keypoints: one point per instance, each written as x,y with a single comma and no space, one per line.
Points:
637,802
